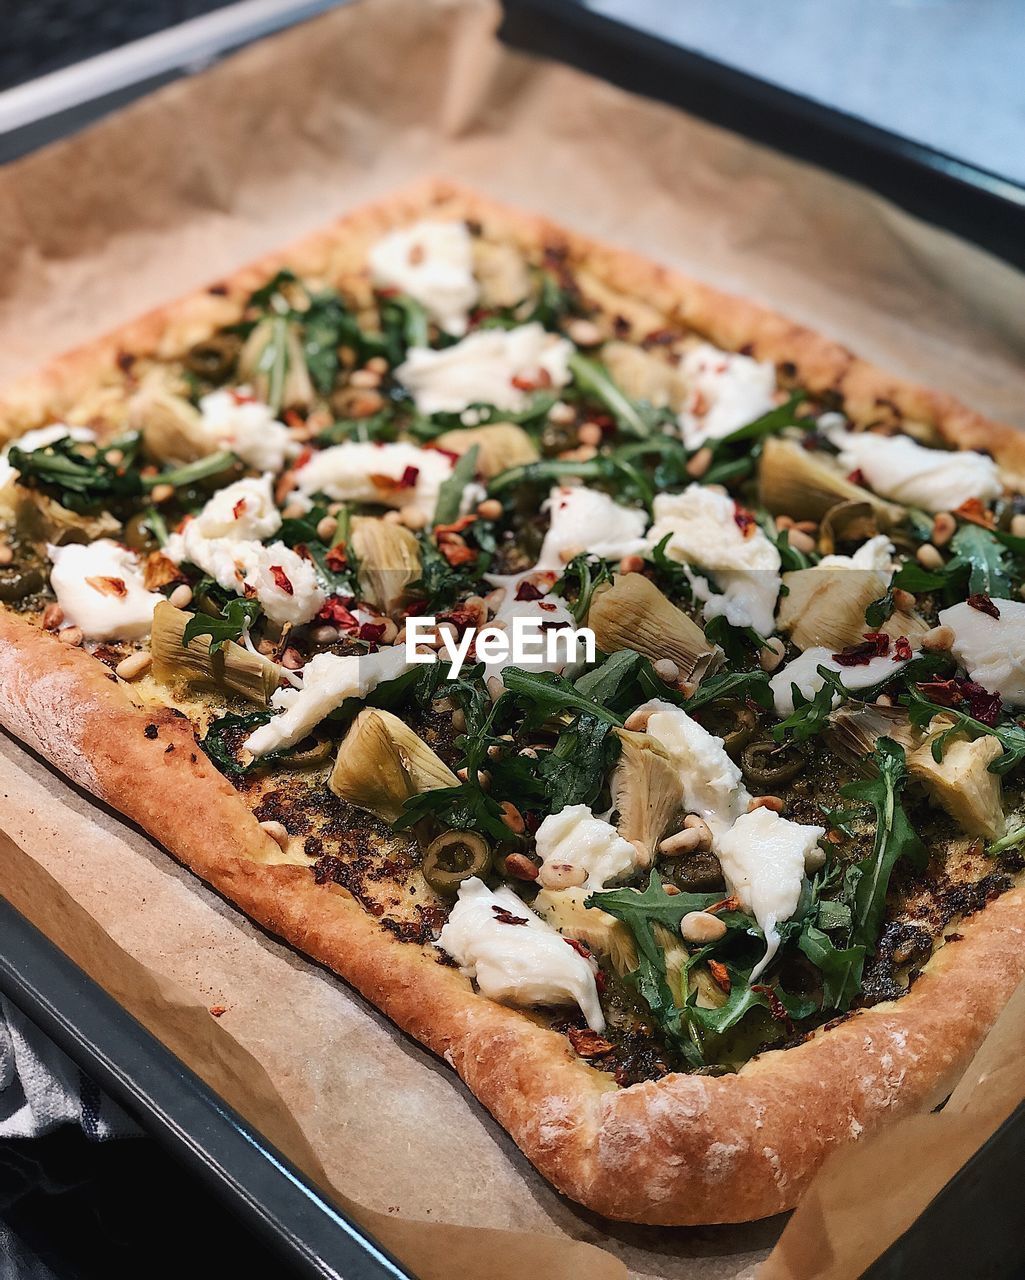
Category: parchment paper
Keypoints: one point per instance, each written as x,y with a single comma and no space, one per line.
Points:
206,174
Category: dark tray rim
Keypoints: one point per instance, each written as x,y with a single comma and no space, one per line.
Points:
311,1236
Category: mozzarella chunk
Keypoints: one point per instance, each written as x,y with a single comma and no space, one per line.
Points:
712,783
898,467
575,837
992,650
802,671
521,964
724,393
431,261
703,530
493,366
392,475
876,553
285,584
763,857
550,610
233,420
583,519
242,512
99,585
327,681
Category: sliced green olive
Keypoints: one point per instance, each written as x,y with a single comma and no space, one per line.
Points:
215,357
17,584
453,858
309,754
732,720
766,763
138,535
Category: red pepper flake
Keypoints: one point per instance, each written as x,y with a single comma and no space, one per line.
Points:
409,477
902,649
727,904
238,508
982,705
451,454
857,477
533,383
372,631
302,458
720,975
336,559
108,586
581,948
601,981
218,1010
984,604
507,917
976,512
875,645
243,397
547,606
744,520
527,591
457,553
587,1043
293,418
457,526
335,610
281,580
776,1007
460,618
945,693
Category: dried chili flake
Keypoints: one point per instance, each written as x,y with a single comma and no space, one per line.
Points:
744,520
776,1006
533,382
336,559
875,645
457,526
981,601
238,508
372,631
902,649
976,512
857,476
587,1043
720,975
507,917
581,948
982,705
108,586
457,553
281,580
336,611
302,458
945,693
527,591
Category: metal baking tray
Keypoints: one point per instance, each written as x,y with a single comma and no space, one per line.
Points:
961,197
255,1182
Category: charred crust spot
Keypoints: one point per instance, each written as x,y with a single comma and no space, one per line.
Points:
169,748
125,361
218,290
151,731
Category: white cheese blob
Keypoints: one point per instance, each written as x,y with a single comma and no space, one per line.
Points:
763,857
575,837
898,467
100,587
242,512
802,671
327,681
992,650
431,261
712,783
724,393
392,475
582,519
876,553
285,584
521,964
29,442
549,610
497,367
234,420
703,530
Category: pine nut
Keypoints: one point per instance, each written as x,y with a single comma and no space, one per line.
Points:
392,517
766,802
814,860
938,640
694,822
801,541
562,414
928,557
698,465
115,457
903,601
590,434
701,927
631,564
412,517
459,720
667,670
366,379
637,720
490,509
561,875
277,831
292,660
685,841
162,493
327,528
71,636
784,522
944,526
6,553
53,617
771,655
181,596
377,364
512,817
807,526
136,664
585,333
1018,526
520,867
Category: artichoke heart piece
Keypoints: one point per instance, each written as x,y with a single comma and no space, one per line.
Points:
827,607
794,482
634,614
961,783
232,669
172,429
382,762
388,556
42,519
644,376
502,273
847,522
500,445
273,364
854,730
606,936
647,791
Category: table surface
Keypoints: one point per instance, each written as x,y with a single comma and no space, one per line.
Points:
944,73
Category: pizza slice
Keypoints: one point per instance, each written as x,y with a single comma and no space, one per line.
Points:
614,681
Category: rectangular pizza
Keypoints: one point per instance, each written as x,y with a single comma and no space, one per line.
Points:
614,681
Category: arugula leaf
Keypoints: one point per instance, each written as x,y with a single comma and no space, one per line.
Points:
733,684
1010,841
607,680
575,770
378,427
841,968
544,694
670,575
594,380
450,494
986,561
736,642
790,557
192,472
461,808
879,611
810,715
586,572
741,1000
223,737
440,583
1011,736
912,577
867,881
404,324
81,477
237,615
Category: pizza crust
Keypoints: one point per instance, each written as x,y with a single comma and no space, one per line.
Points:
685,1149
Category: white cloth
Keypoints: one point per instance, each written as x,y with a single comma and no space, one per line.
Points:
41,1088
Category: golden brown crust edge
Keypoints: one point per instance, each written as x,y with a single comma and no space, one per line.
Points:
869,393
682,1150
